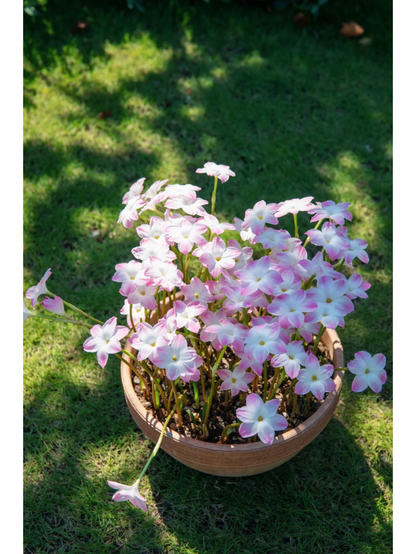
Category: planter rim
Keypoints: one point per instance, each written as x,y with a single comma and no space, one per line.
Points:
330,338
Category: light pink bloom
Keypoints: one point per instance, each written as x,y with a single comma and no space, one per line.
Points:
215,287
153,196
187,234
236,300
260,418
55,305
306,331
130,275
223,172
137,312
181,190
228,331
261,341
212,318
315,378
215,226
167,275
145,295
290,260
236,380
247,363
186,315
148,339
331,238
26,313
294,206
129,213
135,190
290,283
245,234
128,492
105,340
290,356
357,287
190,204
244,257
34,292
369,371
332,304
318,267
155,230
257,275
291,307
273,238
216,256
149,248
335,212
179,360
197,291
356,249
256,218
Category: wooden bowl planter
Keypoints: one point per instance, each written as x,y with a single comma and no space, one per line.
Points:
241,459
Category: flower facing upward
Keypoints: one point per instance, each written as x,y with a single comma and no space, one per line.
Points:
331,238
337,212
148,339
223,172
34,292
257,275
215,256
256,218
291,307
369,371
290,356
105,340
262,340
179,360
197,291
186,315
315,378
128,492
294,206
260,418
235,381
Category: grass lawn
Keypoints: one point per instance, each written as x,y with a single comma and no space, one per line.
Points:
294,112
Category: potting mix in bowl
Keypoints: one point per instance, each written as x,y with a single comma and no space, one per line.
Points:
227,334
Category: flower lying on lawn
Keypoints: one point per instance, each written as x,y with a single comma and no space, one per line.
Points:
369,371
128,492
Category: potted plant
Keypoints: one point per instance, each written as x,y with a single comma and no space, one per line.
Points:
229,359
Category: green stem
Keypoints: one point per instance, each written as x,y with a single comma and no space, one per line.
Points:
72,307
214,195
295,219
131,318
318,338
224,431
265,381
62,320
316,227
213,384
146,368
137,372
159,442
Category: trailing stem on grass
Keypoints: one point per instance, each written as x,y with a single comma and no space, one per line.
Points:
159,442
213,383
62,320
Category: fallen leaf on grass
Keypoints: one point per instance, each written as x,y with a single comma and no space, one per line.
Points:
301,20
351,30
105,114
80,25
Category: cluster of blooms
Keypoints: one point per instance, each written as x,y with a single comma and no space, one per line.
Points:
265,311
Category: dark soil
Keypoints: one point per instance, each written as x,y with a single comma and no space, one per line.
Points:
224,406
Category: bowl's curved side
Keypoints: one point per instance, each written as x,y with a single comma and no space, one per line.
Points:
244,459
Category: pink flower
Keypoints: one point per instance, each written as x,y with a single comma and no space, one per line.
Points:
247,363
244,256
214,225
356,287
356,249
105,340
318,267
186,315
137,312
272,238
212,318
223,172
34,292
290,356
291,307
149,248
331,238
216,256
130,493
56,305
167,275
257,275
335,212
260,418
145,295
135,190
189,203
332,304
197,291
315,378
294,206
369,371
148,339
179,360
129,213
153,196
236,300
130,275
261,341
228,332
26,313
257,218
155,230
236,380
290,260
187,234
245,234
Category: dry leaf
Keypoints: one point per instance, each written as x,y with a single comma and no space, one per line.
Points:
351,30
80,26
105,114
301,20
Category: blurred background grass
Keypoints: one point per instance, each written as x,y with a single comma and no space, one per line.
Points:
294,112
